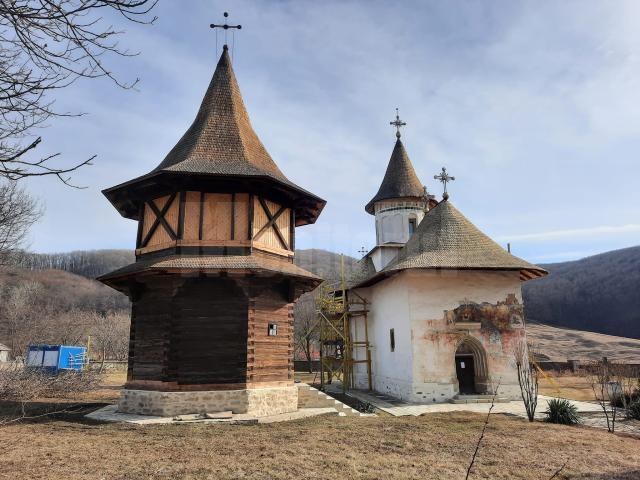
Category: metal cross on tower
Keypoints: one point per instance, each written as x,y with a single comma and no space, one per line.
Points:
225,26
427,197
362,251
444,177
397,123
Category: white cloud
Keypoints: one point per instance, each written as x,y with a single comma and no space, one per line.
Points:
573,233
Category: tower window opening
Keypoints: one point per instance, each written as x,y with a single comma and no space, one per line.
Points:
412,226
392,340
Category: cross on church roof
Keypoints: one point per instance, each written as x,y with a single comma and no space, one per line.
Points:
225,25
362,251
427,197
444,177
397,123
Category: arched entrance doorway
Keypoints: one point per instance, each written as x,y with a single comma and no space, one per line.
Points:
471,367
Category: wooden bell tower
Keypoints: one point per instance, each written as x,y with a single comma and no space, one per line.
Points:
213,284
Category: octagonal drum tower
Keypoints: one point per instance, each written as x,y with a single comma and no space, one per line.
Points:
214,282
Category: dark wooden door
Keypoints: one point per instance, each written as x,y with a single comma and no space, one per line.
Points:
465,372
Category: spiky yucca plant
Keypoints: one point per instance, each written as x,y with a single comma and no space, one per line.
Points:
633,411
562,411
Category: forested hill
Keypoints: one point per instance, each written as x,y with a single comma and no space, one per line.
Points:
87,263
598,293
93,263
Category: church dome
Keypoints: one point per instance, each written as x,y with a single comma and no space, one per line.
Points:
446,239
400,179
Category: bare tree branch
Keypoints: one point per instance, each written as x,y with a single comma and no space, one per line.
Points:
45,46
18,211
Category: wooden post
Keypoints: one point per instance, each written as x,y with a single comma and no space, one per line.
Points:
233,216
250,216
182,200
201,219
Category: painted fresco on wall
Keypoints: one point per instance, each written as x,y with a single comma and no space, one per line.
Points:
502,316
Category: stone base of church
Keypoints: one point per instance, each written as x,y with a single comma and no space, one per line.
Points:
258,402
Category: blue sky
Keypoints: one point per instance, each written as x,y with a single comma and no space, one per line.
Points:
533,106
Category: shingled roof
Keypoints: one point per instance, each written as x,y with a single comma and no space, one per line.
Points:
210,263
220,143
400,179
221,139
446,239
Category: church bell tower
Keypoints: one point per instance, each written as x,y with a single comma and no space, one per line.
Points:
214,280
399,205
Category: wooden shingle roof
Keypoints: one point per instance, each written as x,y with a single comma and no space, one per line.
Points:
219,146
446,239
255,264
400,179
221,139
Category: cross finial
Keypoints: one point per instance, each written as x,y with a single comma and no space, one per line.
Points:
427,197
397,123
225,26
444,177
362,251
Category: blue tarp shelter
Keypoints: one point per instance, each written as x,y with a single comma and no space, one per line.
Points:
57,357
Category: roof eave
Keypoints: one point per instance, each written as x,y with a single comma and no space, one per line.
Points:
526,274
308,206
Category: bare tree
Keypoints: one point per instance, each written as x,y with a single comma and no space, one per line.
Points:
306,334
605,389
45,46
25,385
18,211
527,377
110,334
20,315
628,382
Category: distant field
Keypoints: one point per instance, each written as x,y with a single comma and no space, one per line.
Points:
562,344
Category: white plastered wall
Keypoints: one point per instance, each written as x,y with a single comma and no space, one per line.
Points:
422,368
389,308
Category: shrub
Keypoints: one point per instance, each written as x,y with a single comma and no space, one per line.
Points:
633,411
367,407
562,411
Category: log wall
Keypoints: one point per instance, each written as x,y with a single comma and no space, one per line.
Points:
270,358
209,333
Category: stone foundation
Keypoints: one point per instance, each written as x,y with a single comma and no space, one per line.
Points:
259,402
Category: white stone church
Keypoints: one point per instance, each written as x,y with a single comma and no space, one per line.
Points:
444,300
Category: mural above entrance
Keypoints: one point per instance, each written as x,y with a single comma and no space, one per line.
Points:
502,316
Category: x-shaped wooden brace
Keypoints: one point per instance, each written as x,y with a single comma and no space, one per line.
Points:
272,223
160,220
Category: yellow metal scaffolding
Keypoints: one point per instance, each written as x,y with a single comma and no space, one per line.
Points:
338,310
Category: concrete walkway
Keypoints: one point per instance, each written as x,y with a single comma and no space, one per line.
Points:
399,408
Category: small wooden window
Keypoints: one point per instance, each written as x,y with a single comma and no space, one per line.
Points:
412,226
272,331
392,340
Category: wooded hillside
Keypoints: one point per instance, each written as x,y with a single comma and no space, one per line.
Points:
597,294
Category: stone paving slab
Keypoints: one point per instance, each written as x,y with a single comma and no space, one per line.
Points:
110,414
398,408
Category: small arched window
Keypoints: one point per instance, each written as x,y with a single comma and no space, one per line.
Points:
413,221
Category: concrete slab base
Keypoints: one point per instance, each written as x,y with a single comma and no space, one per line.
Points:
110,413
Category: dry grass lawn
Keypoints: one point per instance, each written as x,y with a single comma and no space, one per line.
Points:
574,387
436,446
560,344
